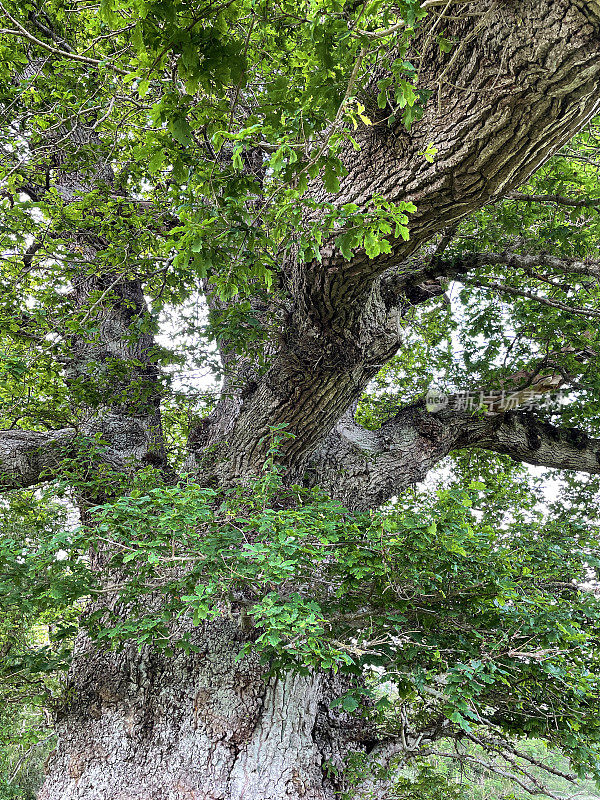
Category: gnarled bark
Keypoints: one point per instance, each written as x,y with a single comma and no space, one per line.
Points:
526,80
523,79
140,726
29,457
363,468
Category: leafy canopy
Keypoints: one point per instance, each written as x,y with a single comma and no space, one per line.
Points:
214,155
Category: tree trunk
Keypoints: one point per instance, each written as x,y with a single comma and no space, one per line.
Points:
204,726
139,725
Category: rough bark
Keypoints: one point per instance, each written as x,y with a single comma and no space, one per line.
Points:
204,726
523,261
363,468
113,374
526,80
140,726
29,457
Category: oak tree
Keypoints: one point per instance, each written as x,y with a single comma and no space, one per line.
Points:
327,204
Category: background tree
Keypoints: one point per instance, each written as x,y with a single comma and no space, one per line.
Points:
305,170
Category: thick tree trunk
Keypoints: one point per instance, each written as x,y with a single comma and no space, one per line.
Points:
205,726
523,80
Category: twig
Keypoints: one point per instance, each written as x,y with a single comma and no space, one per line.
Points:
510,290
55,50
21,761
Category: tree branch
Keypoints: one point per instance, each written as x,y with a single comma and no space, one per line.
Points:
467,262
471,132
512,291
524,437
28,457
363,468
111,372
24,33
490,138
557,199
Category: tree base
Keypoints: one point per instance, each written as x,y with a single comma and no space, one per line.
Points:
202,726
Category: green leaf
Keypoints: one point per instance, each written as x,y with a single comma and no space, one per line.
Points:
181,130
331,181
372,245
349,703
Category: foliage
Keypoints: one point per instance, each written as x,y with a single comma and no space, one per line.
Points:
36,630
475,777
485,624
224,116
25,731
214,127
25,742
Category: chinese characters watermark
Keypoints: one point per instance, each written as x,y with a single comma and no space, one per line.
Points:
493,402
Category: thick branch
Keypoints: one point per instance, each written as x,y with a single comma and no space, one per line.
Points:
516,88
111,372
314,378
523,437
363,468
29,457
507,99
524,261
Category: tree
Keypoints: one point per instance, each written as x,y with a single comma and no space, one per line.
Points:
306,168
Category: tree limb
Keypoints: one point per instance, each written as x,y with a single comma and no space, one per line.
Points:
111,372
467,262
24,33
524,437
29,457
557,199
490,138
512,291
364,468
468,170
